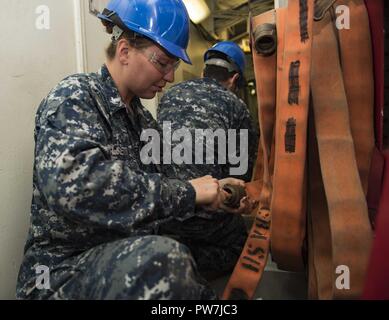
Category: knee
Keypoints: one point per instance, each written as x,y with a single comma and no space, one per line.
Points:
170,272
170,254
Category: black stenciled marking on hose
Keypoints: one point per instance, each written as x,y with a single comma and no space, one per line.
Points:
251,260
304,35
238,294
255,251
260,223
257,235
290,136
294,83
250,267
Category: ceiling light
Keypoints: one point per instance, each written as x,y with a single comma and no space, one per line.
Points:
198,10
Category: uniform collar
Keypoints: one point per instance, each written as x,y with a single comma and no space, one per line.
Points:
114,98
214,82
111,91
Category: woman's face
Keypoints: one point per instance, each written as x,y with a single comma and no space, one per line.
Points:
149,70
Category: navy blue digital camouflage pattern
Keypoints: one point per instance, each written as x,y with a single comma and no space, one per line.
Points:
98,212
206,104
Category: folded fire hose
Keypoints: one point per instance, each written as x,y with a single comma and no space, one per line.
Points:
315,87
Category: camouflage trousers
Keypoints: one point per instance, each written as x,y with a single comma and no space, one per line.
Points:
215,240
173,266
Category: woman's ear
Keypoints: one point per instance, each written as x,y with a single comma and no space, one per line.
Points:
122,51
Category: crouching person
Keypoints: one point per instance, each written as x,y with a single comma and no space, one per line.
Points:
96,208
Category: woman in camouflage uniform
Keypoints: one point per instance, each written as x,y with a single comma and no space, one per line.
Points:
96,208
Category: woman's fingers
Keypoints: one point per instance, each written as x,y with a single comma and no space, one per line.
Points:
211,196
207,190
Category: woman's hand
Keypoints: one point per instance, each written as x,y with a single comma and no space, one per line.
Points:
211,196
207,191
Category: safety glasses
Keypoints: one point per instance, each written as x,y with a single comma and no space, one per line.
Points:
155,59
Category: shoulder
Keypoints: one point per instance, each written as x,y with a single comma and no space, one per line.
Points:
186,87
229,99
72,89
76,86
72,98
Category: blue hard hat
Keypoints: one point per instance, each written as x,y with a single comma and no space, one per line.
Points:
166,22
232,51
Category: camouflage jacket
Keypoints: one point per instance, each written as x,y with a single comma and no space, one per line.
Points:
89,185
206,104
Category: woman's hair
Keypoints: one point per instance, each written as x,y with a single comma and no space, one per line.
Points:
134,39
